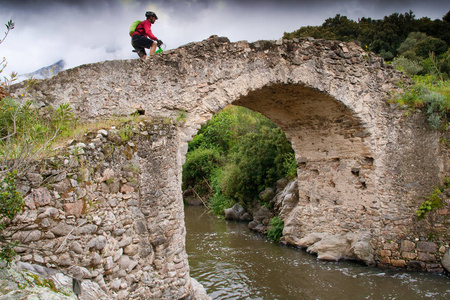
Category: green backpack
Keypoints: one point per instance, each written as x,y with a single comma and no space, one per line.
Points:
133,26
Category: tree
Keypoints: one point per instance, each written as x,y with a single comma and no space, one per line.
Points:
446,18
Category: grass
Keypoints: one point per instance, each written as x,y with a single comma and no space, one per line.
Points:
27,133
431,94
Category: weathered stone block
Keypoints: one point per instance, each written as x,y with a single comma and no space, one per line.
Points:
41,196
426,257
62,229
398,263
390,246
429,247
131,250
409,255
74,209
97,243
416,265
407,246
30,236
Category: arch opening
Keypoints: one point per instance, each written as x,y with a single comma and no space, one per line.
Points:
335,167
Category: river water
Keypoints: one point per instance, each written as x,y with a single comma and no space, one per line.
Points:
232,262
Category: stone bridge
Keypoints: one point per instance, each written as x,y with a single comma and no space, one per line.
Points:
362,165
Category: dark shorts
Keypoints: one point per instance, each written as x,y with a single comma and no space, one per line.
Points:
139,43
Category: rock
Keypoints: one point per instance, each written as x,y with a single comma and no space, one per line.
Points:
103,132
64,260
123,295
407,246
282,183
124,262
118,254
230,214
125,242
108,265
96,259
446,260
310,239
97,243
199,290
62,229
267,195
80,272
131,250
428,247
107,174
76,247
29,201
126,189
253,224
362,249
400,263
87,229
115,285
62,186
246,217
426,257
31,236
50,212
74,209
16,283
331,247
41,196
416,265
262,215
35,179
92,290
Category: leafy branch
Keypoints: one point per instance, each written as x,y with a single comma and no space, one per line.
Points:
9,26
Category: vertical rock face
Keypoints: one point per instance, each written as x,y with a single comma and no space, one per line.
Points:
111,211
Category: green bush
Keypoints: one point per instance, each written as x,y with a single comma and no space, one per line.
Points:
11,203
430,44
239,153
218,203
256,162
409,66
199,166
275,231
411,42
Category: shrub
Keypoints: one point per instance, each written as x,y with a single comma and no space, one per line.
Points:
433,201
199,166
409,66
11,203
218,203
275,232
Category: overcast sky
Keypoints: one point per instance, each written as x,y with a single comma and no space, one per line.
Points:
86,31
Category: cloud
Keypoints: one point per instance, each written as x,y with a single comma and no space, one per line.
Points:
85,31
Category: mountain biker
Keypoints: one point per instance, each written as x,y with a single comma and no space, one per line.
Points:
143,37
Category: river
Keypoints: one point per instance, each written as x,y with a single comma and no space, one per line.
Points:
232,262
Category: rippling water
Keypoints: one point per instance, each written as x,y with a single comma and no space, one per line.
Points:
232,262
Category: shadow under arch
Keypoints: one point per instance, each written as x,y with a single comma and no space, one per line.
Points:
317,124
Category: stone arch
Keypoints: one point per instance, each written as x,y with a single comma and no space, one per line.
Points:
353,149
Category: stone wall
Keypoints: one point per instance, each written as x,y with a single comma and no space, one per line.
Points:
108,209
